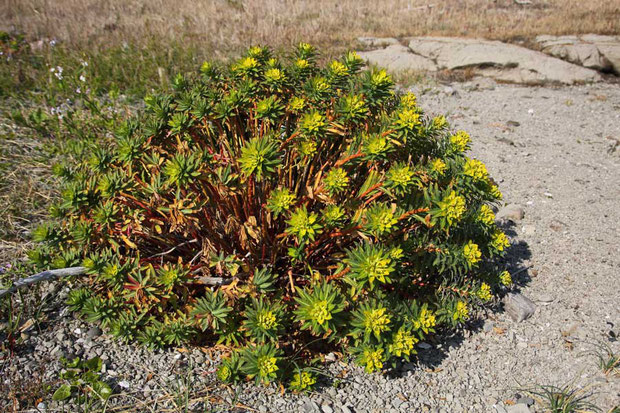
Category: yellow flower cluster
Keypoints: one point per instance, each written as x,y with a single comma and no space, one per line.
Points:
320,313
267,365
307,147
484,293
499,241
453,206
486,215
495,192
336,180
505,278
426,320
380,78
313,122
296,104
472,253
376,320
439,122
302,63
408,100
461,311
338,68
460,141
247,63
266,320
403,343
274,75
373,359
303,380
401,175
378,269
408,119
438,166
475,169
396,253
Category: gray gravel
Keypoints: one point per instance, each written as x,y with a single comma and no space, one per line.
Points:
551,150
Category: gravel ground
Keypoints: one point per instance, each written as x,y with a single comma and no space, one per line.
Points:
555,153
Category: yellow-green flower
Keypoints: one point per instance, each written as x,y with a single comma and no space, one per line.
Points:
486,215
320,313
205,67
376,321
461,311
266,320
307,147
452,207
333,215
499,241
380,219
296,104
408,119
376,146
274,75
475,169
336,180
372,359
267,365
280,200
380,78
439,122
438,166
397,253
495,192
223,373
403,343
472,253
426,320
302,63
408,100
338,68
302,381
303,224
505,278
460,140
401,176
247,63
313,122
484,293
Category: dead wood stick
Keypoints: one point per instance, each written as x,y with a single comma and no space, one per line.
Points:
48,275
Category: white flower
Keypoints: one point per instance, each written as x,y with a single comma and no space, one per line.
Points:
53,42
83,78
84,63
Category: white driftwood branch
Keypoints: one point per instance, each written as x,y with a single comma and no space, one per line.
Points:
50,275
43,276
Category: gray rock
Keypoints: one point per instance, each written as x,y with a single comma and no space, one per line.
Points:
528,401
518,408
377,41
326,408
501,61
398,57
592,51
510,212
518,307
93,332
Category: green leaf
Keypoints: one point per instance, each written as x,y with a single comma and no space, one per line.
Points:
102,389
93,364
62,393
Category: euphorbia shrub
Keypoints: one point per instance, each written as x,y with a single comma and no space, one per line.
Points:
281,209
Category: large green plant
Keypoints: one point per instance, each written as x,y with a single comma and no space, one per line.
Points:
282,209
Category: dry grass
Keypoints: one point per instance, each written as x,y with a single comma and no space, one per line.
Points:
223,27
